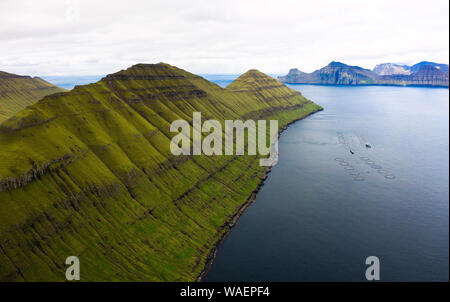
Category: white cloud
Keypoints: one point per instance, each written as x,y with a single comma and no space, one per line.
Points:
207,36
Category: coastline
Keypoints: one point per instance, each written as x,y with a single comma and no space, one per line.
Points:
231,222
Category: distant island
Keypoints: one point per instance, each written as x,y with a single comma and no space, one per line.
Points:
337,73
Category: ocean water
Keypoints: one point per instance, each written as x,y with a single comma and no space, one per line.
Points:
223,80
323,210
68,82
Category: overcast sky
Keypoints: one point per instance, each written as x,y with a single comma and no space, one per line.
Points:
87,37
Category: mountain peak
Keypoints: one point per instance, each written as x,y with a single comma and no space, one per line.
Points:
253,73
252,79
145,71
337,64
418,66
148,68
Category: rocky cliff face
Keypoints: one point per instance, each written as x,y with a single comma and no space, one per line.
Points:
335,73
391,68
89,173
17,92
426,75
418,66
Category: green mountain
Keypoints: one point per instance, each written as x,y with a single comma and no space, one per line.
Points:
89,173
336,73
17,92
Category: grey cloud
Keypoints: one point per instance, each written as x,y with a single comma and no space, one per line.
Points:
218,36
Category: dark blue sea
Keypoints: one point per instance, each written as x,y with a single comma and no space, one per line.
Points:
323,210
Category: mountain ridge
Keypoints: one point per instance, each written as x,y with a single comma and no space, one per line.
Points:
17,92
337,73
105,187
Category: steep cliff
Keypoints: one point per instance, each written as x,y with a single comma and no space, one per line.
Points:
421,74
335,73
426,75
418,66
17,92
391,68
89,173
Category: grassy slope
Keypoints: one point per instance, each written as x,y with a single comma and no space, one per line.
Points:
17,92
89,173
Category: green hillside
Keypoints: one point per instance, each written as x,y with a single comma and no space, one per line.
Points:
89,173
17,92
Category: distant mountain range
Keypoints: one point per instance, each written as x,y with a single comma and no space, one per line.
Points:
336,73
392,68
17,92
